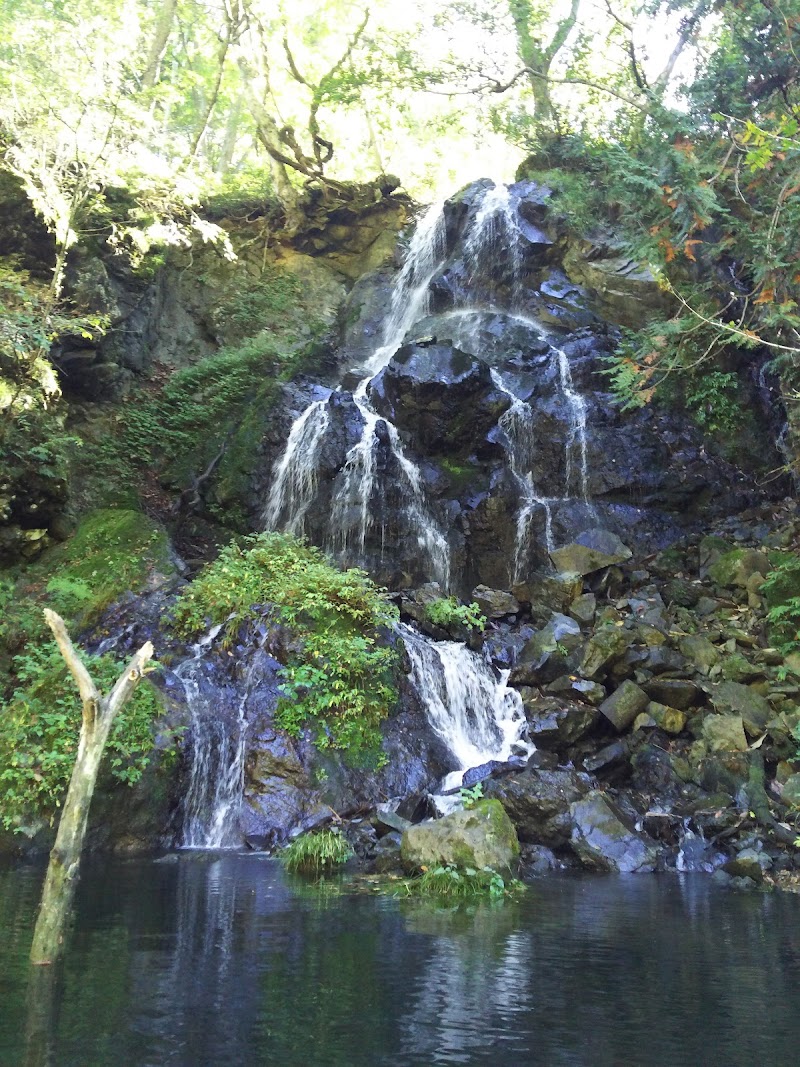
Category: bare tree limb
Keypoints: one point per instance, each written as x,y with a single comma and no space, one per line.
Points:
86,687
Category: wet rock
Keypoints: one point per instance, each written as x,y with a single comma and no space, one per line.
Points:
443,397
482,836
543,657
494,603
724,733
386,816
538,803
604,839
583,608
591,551
675,692
592,692
606,645
538,859
609,757
624,704
556,724
386,855
492,769
745,865
753,708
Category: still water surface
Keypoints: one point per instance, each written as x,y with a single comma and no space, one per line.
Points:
220,959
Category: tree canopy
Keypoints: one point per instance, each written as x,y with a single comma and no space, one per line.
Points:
681,116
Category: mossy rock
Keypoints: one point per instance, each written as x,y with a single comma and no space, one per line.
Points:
481,836
735,568
111,552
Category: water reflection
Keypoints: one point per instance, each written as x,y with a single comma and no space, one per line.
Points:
209,959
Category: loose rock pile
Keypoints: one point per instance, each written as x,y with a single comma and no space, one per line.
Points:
664,719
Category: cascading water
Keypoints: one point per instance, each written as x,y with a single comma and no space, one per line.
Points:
217,747
577,430
296,474
518,426
495,237
477,715
295,477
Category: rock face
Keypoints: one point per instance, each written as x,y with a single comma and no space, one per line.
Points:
482,836
511,446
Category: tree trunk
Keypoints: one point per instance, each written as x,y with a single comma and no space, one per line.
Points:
98,717
155,52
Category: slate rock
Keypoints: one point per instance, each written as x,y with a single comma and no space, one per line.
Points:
753,708
605,840
555,723
734,569
591,551
724,733
538,803
583,608
675,692
495,603
624,704
603,647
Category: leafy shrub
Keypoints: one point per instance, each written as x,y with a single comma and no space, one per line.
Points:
316,853
338,676
782,592
39,731
450,881
447,612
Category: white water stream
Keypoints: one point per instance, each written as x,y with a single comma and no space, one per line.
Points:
217,746
477,715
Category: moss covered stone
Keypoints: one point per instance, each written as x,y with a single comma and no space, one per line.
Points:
482,836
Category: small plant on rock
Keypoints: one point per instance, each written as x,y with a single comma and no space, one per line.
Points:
316,853
470,796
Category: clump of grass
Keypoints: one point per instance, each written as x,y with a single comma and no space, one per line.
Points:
316,853
451,881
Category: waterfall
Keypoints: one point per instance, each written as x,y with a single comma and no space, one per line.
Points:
477,715
216,743
577,430
495,237
295,474
517,426
493,234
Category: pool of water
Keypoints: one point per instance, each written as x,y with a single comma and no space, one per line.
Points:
221,959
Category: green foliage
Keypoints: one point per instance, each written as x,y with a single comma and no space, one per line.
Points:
713,402
447,612
39,731
316,853
457,882
337,675
470,796
110,552
782,592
